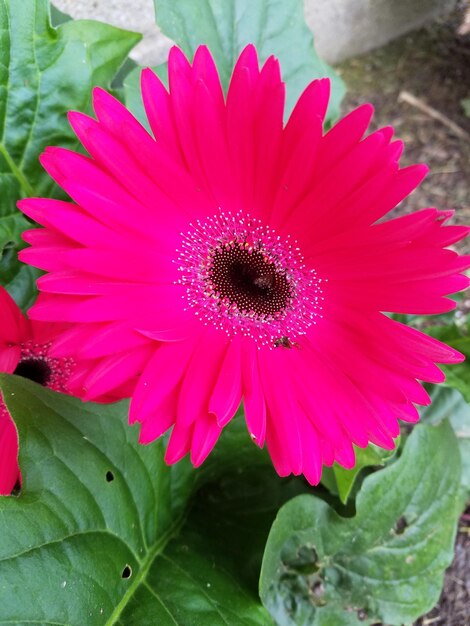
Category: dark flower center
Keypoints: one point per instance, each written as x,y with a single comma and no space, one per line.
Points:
36,370
243,278
246,278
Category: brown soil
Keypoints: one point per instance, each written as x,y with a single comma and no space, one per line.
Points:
433,65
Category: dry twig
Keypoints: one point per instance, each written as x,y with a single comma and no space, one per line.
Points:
409,98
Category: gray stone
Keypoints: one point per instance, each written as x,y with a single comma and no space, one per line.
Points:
345,28
342,28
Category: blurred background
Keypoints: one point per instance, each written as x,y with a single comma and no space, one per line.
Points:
411,59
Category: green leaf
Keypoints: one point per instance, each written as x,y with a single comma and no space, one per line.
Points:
465,102
132,93
341,481
44,72
446,403
274,26
19,279
457,375
385,564
450,404
229,525
101,532
13,223
235,451
58,17
243,505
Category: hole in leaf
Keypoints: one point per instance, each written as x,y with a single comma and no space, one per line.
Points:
318,589
401,526
109,476
316,594
362,615
305,561
126,572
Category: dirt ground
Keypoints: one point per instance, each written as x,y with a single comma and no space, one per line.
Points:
417,84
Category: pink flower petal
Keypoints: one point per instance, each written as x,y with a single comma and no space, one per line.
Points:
254,400
227,391
9,470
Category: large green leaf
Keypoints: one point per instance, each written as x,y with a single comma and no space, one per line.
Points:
227,529
449,404
44,72
101,533
386,563
227,26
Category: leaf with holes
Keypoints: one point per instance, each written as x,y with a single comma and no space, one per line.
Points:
385,564
101,533
274,26
44,72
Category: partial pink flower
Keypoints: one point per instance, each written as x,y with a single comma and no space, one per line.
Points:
233,257
25,350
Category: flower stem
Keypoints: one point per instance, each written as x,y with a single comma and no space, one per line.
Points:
29,191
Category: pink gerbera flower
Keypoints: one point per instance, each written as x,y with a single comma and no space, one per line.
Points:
231,257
